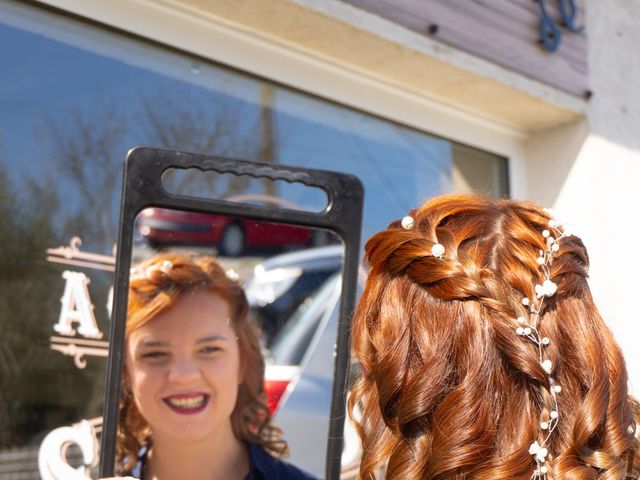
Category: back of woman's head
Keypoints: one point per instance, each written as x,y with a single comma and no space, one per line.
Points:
461,375
155,286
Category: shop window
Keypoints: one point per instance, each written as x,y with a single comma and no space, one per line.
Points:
73,99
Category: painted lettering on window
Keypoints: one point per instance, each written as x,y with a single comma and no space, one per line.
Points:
77,307
78,334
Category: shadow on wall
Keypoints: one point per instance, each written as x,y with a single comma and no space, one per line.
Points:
551,154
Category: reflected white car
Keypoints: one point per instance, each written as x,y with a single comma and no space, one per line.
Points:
300,360
281,283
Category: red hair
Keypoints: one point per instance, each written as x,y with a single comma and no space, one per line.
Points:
448,390
153,289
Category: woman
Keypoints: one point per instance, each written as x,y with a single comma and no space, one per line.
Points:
193,404
483,355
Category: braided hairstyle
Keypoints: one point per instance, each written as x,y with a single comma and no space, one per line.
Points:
448,389
153,290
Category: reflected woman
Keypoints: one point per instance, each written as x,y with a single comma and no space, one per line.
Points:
193,404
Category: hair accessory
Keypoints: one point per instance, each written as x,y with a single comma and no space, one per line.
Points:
407,222
149,272
437,250
232,275
528,328
166,266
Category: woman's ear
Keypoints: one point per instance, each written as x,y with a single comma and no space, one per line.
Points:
241,365
125,380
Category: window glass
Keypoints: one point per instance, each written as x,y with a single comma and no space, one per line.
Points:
73,99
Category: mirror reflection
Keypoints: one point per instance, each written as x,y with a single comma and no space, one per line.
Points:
231,330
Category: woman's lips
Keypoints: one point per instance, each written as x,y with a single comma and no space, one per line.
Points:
188,403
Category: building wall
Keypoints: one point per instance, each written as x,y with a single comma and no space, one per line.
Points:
581,157
589,170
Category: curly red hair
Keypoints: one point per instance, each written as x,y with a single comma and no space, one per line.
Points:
448,390
153,288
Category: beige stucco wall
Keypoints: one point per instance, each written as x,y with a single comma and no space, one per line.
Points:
373,47
590,170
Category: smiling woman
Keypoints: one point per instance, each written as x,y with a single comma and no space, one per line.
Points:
193,403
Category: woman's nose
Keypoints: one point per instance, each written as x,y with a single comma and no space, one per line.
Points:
183,371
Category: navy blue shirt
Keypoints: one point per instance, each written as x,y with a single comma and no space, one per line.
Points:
265,467
262,466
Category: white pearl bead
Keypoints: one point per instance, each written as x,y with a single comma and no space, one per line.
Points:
407,222
546,365
557,388
553,414
542,453
527,331
525,301
166,266
555,247
232,275
545,340
437,250
520,331
543,469
549,288
544,425
545,233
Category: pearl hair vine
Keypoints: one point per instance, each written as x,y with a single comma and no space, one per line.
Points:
165,267
232,275
528,328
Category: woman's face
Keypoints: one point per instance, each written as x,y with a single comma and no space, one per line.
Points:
184,369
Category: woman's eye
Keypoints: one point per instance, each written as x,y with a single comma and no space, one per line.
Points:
210,349
154,355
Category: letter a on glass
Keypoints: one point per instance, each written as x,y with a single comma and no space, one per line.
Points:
77,307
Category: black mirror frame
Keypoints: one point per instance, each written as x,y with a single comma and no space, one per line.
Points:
142,188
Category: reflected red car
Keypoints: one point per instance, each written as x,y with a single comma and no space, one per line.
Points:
230,235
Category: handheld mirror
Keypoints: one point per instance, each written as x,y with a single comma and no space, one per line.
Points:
290,238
